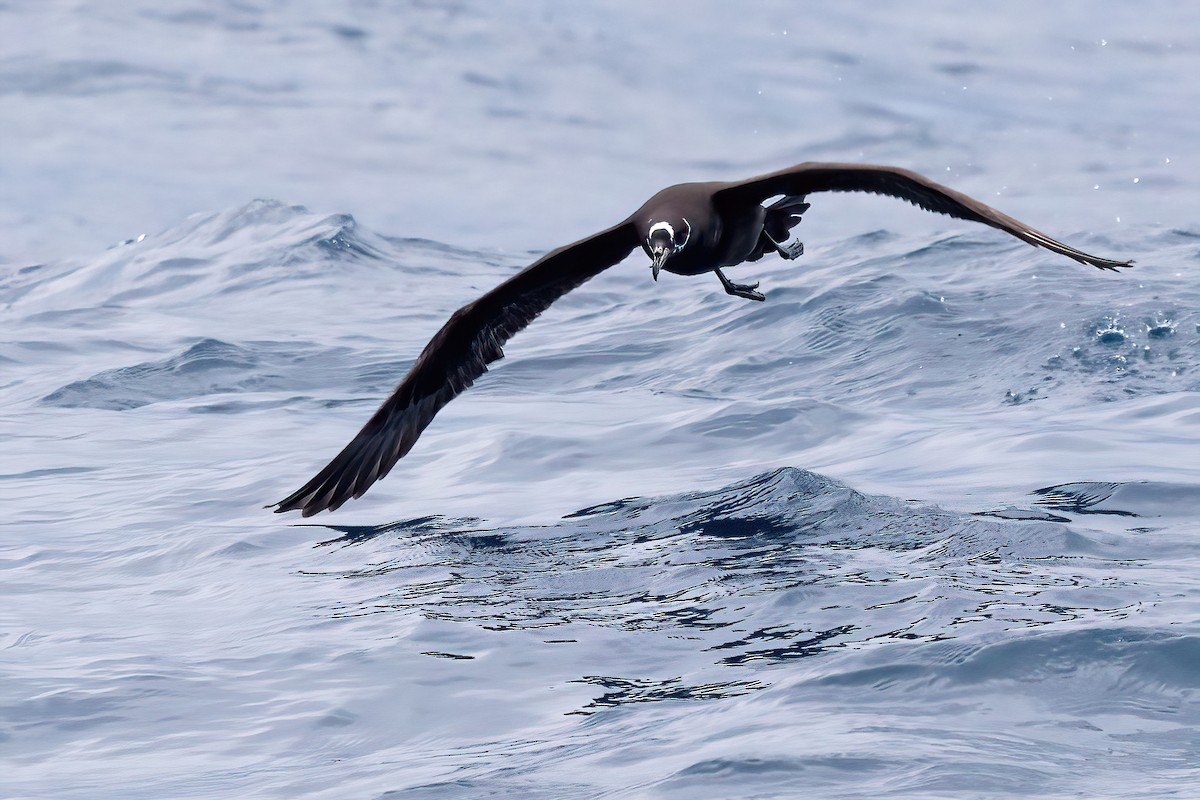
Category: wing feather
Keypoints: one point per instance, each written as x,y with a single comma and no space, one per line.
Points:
458,354
811,177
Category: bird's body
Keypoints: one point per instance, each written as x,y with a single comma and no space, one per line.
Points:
688,229
720,236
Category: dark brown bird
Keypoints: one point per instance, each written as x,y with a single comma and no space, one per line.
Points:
687,229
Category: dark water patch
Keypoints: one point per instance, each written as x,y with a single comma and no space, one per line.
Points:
449,656
628,505
736,527
350,33
793,644
817,565
1079,497
80,77
235,407
1033,514
433,524
84,78
1133,499
627,691
207,367
54,472
66,710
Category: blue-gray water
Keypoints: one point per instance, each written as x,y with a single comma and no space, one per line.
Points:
922,525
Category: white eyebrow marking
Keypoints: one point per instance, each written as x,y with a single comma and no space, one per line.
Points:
663,226
670,229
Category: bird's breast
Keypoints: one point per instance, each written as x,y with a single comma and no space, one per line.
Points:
692,261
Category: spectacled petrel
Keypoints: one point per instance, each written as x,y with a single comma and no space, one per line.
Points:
687,229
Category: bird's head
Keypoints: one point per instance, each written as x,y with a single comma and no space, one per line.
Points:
664,239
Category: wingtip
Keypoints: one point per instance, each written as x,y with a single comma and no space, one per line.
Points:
283,507
293,502
1114,266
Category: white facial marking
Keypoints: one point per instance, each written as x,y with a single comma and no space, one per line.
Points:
662,226
670,229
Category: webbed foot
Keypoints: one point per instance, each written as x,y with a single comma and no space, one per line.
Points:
745,290
790,248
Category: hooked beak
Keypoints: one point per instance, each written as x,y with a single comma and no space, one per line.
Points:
659,255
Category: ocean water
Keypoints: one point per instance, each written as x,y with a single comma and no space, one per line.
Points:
922,525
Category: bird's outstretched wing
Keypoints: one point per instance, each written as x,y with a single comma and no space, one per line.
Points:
812,176
458,354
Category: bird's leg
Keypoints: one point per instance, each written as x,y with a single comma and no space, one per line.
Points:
745,290
789,248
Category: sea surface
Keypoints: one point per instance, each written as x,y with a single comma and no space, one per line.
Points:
924,524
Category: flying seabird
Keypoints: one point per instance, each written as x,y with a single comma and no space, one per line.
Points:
687,229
